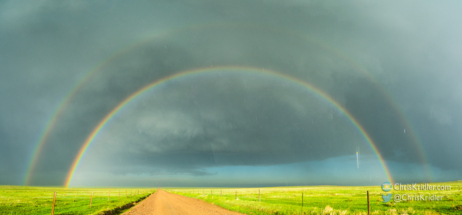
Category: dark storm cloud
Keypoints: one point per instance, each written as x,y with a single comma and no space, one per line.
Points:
410,48
226,120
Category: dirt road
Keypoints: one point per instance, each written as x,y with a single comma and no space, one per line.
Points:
162,202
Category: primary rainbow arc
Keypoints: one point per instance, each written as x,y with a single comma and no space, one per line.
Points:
310,87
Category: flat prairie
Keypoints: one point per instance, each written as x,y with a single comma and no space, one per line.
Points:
39,200
328,199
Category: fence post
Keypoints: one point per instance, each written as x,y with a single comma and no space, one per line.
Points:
91,198
53,208
302,199
368,205
108,195
236,195
259,196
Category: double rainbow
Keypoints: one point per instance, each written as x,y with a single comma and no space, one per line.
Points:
37,151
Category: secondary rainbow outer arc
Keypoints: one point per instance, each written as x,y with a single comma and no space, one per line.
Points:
324,95
52,122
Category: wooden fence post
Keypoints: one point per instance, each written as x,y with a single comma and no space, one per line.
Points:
91,198
53,208
259,196
108,195
302,199
368,205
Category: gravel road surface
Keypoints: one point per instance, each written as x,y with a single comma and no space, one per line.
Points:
162,202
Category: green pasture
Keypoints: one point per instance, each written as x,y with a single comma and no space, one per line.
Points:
325,200
274,200
39,200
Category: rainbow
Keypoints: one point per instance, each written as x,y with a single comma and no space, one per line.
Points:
37,151
308,86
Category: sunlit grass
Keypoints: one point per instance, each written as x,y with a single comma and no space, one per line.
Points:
274,200
39,200
324,200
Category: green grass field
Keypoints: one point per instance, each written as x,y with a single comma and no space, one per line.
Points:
274,200
39,200
325,200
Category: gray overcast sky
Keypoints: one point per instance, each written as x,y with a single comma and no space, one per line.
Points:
395,66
